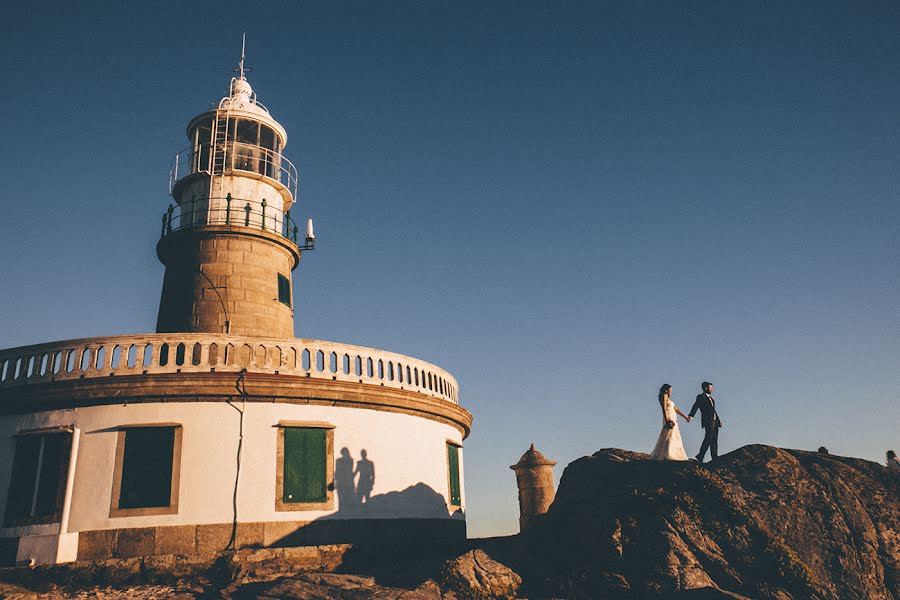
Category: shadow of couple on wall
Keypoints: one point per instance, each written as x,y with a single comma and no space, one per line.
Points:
417,511
400,537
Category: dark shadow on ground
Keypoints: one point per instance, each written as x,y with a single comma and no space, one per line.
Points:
399,538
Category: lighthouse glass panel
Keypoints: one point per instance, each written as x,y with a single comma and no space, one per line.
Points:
245,157
267,142
202,141
266,138
147,467
305,465
248,132
37,485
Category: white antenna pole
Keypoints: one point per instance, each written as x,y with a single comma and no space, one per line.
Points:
243,47
309,230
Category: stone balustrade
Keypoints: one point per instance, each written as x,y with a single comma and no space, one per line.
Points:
203,352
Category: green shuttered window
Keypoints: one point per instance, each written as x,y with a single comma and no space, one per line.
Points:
284,289
453,463
305,467
37,485
147,467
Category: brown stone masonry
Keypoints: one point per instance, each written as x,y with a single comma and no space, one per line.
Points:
211,538
219,273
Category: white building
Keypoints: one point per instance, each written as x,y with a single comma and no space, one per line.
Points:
222,430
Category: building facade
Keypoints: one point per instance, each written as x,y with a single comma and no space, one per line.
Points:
221,430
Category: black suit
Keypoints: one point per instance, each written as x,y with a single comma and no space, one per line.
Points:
709,420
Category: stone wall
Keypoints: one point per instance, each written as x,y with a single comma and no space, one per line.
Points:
214,274
207,539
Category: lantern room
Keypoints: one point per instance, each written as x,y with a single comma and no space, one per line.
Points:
233,162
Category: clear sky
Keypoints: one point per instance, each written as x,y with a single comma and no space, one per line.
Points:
563,204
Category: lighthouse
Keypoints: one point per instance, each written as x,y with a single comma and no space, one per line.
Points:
228,241
221,430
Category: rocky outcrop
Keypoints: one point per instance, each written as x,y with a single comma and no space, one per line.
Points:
476,576
268,573
763,522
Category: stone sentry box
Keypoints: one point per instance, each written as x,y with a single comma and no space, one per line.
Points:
534,478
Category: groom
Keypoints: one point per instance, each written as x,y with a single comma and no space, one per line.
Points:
709,420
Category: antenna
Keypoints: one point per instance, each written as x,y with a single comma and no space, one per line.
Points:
241,69
243,54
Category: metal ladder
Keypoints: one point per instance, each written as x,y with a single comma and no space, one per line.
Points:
220,154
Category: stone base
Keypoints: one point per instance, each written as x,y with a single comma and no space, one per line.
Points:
39,549
201,540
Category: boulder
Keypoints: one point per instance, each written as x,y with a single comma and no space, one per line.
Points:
476,576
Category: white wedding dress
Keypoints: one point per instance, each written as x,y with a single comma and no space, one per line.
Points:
669,446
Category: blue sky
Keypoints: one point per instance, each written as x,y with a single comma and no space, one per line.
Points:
563,204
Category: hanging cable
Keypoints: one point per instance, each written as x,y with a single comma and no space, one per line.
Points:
241,387
216,289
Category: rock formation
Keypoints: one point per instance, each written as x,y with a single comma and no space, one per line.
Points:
476,575
763,522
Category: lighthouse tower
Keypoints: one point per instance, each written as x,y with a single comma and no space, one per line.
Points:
228,241
222,430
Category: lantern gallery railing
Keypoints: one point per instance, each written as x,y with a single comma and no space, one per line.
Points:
234,156
205,352
233,211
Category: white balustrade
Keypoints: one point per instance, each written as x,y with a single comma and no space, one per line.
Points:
204,352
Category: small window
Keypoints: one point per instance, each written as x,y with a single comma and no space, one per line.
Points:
305,476
38,483
147,471
284,290
453,467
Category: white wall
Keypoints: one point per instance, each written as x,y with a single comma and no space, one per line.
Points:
242,189
405,450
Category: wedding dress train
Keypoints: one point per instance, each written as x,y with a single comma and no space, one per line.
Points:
669,446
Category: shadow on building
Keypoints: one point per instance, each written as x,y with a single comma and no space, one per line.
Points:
398,537
415,516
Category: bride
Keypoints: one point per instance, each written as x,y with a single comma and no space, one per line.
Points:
669,446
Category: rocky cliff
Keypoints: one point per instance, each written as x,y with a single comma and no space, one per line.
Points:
763,522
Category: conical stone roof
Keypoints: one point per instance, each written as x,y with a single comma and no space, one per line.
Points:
532,458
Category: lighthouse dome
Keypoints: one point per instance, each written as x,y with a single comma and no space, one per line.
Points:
243,98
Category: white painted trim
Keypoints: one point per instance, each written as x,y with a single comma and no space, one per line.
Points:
70,482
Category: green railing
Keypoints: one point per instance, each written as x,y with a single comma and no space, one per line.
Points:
201,212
